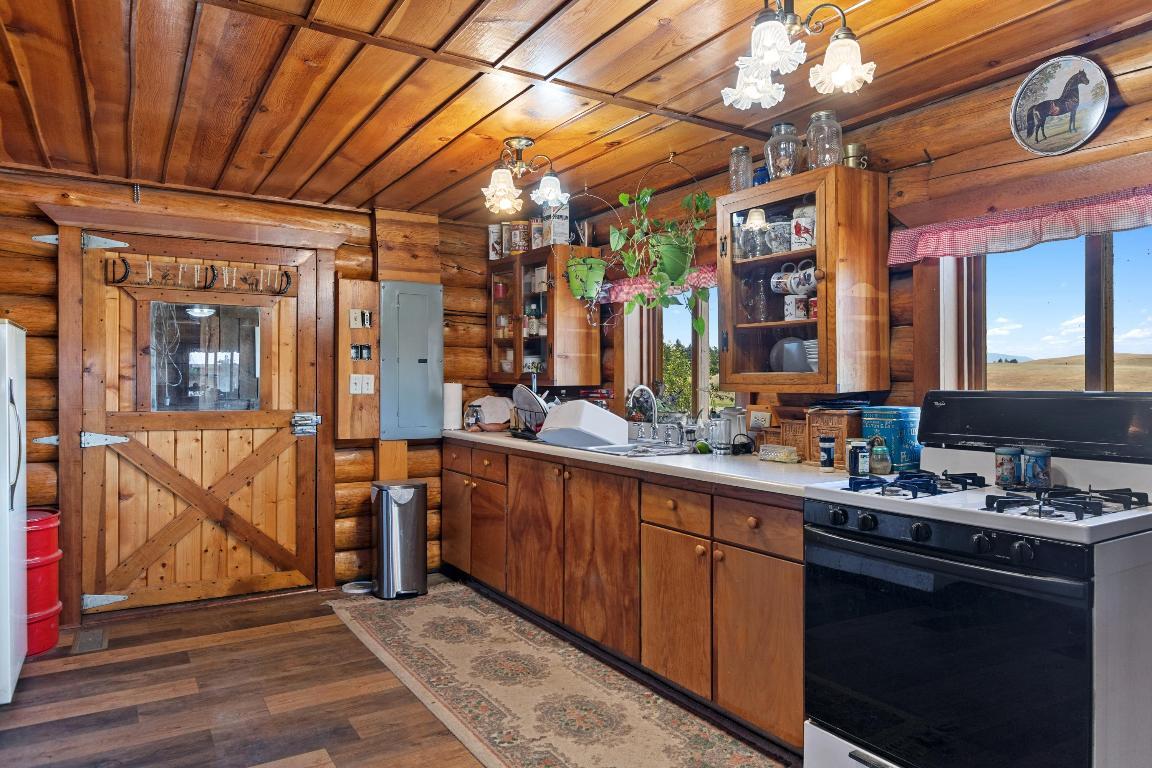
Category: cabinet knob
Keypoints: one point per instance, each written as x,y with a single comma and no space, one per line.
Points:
718,555
467,482
700,550
567,475
473,485
753,522
671,503
556,471
487,463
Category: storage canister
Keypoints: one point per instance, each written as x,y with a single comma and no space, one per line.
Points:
44,556
897,425
1008,466
782,151
521,237
739,169
1036,467
825,140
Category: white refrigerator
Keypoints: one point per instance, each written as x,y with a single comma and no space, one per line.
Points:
13,466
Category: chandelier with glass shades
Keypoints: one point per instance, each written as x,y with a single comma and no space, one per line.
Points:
501,194
775,51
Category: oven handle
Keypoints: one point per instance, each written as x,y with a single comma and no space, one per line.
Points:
1066,588
869,760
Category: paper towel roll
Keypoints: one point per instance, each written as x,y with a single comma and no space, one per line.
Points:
453,406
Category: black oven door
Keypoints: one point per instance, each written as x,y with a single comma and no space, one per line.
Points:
934,663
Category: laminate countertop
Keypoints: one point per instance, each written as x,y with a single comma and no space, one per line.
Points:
736,471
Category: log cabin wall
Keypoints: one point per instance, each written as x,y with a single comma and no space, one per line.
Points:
956,159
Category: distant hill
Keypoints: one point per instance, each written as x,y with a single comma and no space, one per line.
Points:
999,357
1133,373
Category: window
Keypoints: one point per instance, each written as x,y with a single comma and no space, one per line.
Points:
205,357
690,370
1062,315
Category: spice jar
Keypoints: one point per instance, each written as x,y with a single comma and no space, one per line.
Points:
739,169
825,140
782,151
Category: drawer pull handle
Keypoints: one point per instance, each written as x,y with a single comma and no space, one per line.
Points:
487,463
700,550
753,522
718,555
671,503
567,475
473,485
467,482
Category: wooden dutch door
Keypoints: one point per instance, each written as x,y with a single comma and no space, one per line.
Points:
197,358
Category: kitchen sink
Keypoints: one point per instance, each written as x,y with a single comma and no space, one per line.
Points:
640,449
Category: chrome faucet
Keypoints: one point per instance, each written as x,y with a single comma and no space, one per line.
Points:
655,408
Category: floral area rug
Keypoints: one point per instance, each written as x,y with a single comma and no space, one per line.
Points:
519,697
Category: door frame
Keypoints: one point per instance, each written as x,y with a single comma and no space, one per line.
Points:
72,221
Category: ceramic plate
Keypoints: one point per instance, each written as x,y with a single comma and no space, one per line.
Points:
776,356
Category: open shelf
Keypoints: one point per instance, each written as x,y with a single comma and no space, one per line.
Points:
783,256
775,324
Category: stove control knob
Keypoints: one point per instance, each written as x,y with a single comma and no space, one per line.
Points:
981,544
867,521
839,516
921,532
1022,552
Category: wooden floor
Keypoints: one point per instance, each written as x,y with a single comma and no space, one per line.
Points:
275,682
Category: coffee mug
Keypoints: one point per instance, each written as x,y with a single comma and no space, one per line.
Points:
781,281
802,281
780,236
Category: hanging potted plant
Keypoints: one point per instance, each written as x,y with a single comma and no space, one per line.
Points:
662,250
586,277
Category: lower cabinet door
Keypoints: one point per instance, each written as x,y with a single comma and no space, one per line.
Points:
489,532
602,559
758,627
456,520
536,535
676,608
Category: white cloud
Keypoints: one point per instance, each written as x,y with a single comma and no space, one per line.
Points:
1002,321
1003,327
1136,333
1001,331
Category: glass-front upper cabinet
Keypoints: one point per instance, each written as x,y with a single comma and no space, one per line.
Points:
504,352
804,284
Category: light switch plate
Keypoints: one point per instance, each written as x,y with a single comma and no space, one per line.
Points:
355,385
367,384
355,318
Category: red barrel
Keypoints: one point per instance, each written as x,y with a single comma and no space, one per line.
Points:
44,555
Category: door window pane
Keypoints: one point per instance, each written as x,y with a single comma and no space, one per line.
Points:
1035,317
1132,310
205,357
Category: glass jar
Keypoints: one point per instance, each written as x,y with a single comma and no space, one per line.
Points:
825,140
739,169
782,151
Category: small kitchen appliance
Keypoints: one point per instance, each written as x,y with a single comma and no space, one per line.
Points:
952,623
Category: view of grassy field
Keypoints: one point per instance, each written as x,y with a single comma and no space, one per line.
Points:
1133,374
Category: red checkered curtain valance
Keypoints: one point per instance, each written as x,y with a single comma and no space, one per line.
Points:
1016,230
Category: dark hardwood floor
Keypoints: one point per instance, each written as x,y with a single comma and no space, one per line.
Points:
277,681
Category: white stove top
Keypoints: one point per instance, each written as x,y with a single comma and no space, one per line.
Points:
968,507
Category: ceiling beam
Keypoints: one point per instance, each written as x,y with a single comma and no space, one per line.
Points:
291,19
178,110
25,94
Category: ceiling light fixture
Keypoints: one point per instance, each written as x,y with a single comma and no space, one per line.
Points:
501,194
775,49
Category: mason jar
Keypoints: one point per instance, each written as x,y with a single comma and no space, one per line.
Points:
825,140
739,169
782,151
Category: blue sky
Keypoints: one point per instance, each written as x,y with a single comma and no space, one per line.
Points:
678,324
1036,297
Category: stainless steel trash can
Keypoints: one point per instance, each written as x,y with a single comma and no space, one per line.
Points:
401,522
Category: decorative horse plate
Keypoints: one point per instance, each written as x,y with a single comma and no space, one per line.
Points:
1059,105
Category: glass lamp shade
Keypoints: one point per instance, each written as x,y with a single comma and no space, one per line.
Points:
753,84
756,220
842,69
549,194
501,195
774,48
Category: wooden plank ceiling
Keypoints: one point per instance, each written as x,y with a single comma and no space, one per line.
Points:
404,103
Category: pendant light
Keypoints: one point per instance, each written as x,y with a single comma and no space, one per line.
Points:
501,195
775,49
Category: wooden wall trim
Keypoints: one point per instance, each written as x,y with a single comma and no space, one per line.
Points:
925,328
326,405
70,270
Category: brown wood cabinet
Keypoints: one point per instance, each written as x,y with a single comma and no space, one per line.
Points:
675,508
602,559
676,607
538,325
489,532
764,527
758,640
456,519
536,535
851,289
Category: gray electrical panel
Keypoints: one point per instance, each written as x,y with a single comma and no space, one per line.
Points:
411,360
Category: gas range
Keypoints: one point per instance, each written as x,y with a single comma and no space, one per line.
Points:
1091,501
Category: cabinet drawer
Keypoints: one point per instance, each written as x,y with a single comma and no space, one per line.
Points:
490,465
774,530
458,458
685,510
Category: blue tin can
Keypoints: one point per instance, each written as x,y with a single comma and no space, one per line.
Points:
897,424
1036,467
1008,466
